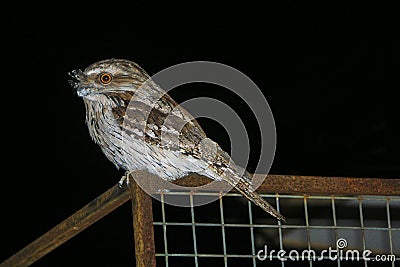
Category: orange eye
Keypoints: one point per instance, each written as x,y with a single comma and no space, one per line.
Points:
105,78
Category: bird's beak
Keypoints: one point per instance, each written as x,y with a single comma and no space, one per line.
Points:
76,83
78,76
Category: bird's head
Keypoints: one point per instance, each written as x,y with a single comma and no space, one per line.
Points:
108,76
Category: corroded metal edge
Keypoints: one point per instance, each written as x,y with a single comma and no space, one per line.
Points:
142,211
292,184
330,185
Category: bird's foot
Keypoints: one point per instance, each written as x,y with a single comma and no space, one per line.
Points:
124,179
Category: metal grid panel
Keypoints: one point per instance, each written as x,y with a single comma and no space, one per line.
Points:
309,229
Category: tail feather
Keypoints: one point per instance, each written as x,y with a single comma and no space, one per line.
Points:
245,189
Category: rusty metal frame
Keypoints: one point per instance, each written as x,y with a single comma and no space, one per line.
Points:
293,184
143,216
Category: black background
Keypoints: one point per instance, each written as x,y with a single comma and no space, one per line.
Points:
329,72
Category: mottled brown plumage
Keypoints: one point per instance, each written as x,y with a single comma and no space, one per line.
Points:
140,127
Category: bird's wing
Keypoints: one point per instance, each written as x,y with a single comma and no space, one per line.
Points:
165,124
169,126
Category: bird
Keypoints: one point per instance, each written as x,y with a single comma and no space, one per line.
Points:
128,114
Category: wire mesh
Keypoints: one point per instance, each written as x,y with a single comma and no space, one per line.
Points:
232,231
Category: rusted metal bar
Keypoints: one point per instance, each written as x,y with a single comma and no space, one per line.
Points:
79,221
330,185
142,211
292,184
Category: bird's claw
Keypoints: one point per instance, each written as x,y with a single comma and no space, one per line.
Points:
124,180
